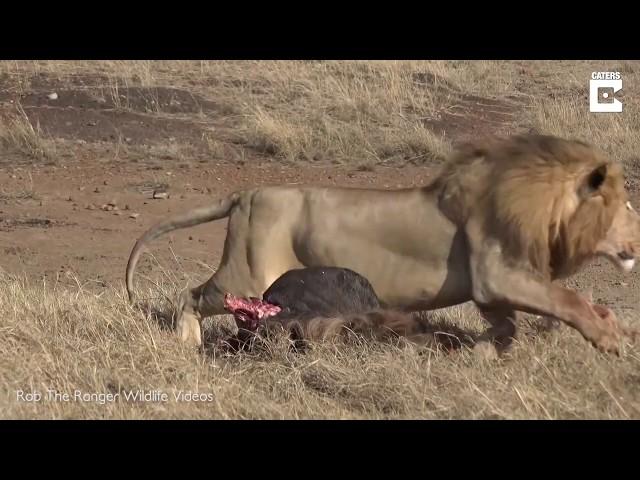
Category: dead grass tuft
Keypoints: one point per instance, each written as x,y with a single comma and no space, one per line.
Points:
18,133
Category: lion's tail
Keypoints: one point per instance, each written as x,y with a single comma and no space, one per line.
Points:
378,324
191,218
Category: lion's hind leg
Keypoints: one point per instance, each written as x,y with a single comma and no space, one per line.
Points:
194,305
188,317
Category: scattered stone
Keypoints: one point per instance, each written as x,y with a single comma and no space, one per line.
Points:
81,188
190,237
126,207
106,182
109,207
97,190
158,195
52,96
117,213
134,215
90,206
69,199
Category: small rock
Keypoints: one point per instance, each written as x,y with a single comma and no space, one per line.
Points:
128,139
97,190
52,96
106,182
126,207
90,206
91,124
182,197
190,237
134,215
69,199
117,213
81,189
164,195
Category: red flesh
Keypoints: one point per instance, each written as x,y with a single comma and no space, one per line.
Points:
249,311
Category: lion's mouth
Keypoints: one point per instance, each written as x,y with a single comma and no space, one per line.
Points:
625,260
625,256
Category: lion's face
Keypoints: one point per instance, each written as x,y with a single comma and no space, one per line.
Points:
622,243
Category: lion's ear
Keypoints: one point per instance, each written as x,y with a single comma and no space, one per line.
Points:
593,181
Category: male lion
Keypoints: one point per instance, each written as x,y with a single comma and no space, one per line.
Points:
502,220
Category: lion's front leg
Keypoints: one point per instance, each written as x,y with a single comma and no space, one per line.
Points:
499,284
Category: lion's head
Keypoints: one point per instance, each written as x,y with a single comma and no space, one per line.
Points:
552,201
599,220
622,243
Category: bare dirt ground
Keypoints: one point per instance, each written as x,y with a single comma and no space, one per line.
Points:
84,146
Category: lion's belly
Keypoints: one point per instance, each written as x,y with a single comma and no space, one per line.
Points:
400,281
413,256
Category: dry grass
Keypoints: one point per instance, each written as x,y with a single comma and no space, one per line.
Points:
352,111
18,133
70,340
363,112
20,193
